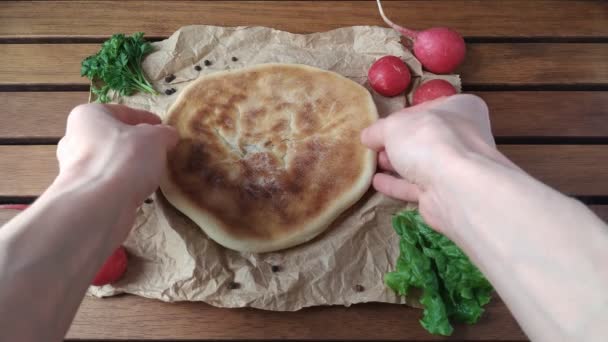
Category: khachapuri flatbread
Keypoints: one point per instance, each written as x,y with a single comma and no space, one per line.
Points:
269,155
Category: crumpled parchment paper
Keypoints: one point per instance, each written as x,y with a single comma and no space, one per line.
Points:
172,259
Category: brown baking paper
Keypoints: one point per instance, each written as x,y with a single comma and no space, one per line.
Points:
172,259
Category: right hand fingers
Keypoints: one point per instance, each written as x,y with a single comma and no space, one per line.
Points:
384,162
396,187
373,136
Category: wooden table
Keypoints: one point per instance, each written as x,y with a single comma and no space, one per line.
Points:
542,66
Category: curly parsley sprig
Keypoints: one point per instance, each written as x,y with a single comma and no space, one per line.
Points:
118,66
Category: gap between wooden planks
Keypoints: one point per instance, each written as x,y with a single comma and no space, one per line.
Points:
572,169
141,318
36,115
510,18
486,64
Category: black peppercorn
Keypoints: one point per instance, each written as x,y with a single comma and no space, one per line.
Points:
170,91
169,78
197,68
233,285
207,62
148,200
359,288
234,59
275,268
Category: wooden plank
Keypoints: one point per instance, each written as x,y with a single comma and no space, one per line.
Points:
131,317
26,170
530,64
573,169
511,18
601,211
6,215
37,114
43,63
503,64
518,113
548,113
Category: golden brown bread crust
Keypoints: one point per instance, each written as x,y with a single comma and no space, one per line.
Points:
269,155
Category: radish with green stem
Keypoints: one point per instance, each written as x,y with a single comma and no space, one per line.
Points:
439,49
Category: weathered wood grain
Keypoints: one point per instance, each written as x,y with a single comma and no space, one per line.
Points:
486,64
41,115
510,18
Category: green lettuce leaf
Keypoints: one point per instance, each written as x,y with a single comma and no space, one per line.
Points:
453,289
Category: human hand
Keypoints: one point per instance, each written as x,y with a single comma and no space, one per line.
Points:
124,146
420,146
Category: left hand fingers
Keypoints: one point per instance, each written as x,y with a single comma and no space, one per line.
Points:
131,116
165,135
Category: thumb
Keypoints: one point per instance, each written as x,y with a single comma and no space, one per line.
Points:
373,136
169,136
164,135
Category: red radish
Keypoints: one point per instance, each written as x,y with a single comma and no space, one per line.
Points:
113,269
439,49
14,206
431,90
389,76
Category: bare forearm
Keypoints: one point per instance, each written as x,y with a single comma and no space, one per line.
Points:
543,251
50,253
